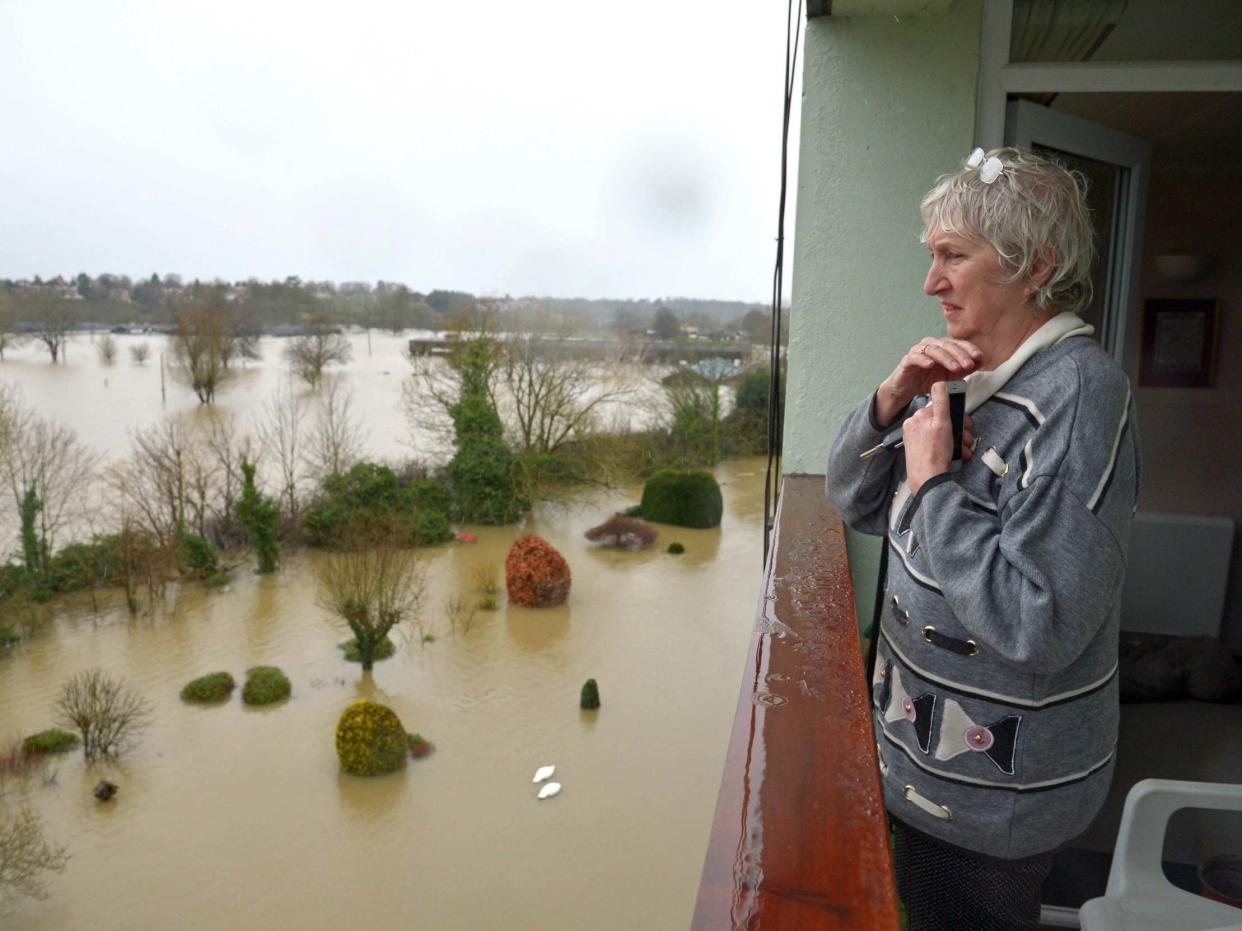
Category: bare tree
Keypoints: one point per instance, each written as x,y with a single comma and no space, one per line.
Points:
373,587
321,345
201,348
25,855
48,472
154,485
107,349
279,434
336,438
52,318
552,401
139,352
108,715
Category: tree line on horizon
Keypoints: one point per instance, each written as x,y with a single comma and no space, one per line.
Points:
257,305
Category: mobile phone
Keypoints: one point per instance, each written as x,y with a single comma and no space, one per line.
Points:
957,417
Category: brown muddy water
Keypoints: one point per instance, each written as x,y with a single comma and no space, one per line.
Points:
230,817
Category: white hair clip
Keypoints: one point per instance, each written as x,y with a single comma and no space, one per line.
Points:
989,169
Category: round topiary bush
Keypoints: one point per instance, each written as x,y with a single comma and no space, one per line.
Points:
536,575
213,687
676,548
683,497
265,685
384,649
53,740
588,700
370,739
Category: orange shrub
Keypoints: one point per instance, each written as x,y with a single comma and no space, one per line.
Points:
536,575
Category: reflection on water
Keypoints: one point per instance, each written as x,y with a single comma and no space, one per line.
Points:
231,818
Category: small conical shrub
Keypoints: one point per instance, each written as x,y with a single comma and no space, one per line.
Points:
589,700
370,739
684,498
536,575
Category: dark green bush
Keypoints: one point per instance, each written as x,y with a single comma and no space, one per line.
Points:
588,700
349,648
746,427
265,685
260,516
483,472
197,555
370,500
213,687
8,636
53,740
676,549
683,497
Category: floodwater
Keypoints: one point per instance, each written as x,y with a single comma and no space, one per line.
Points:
230,817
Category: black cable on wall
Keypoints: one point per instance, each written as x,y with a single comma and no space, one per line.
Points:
776,403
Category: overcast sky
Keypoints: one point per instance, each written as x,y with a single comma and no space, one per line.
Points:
553,147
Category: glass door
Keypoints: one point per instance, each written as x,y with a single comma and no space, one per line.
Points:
1116,166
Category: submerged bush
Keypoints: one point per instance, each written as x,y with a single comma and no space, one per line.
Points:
536,575
265,685
197,555
684,498
420,746
213,687
623,531
52,740
676,548
383,649
8,636
372,501
370,739
589,698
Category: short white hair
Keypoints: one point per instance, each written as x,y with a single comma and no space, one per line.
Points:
1036,210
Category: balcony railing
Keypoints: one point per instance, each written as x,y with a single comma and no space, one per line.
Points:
800,839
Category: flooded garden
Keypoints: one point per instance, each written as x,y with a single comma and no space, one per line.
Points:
229,815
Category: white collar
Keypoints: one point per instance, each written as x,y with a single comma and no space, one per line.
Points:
982,385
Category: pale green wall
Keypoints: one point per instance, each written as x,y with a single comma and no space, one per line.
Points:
888,105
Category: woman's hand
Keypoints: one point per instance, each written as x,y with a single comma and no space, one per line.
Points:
928,436
933,359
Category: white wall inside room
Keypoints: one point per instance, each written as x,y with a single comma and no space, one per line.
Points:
1191,445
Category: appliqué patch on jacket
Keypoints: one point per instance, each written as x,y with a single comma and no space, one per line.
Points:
997,741
918,710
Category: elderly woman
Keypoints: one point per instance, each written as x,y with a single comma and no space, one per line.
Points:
995,684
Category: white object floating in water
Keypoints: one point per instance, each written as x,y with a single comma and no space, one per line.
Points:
543,772
550,790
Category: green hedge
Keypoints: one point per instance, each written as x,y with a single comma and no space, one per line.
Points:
213,687
265,685
683,497
383,649
371,500
53,740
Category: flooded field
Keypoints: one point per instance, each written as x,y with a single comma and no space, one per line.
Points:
229,817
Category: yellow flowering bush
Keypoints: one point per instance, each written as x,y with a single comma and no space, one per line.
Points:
370,739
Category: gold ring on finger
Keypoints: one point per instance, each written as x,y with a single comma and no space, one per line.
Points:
922,350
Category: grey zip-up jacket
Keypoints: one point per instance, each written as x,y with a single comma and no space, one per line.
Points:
995,690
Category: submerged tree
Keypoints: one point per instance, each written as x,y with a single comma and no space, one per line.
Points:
321,345
107,714
374,587
260,516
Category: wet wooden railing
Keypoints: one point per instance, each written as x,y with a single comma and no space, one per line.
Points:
799,839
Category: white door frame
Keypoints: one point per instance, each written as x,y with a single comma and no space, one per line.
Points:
998,78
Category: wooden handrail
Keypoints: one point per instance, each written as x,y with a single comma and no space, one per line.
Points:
800,838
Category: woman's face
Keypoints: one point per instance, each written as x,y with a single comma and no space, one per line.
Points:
968,279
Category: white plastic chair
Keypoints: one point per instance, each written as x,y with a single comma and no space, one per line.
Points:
1139,897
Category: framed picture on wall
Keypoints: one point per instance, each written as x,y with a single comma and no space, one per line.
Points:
1179,343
